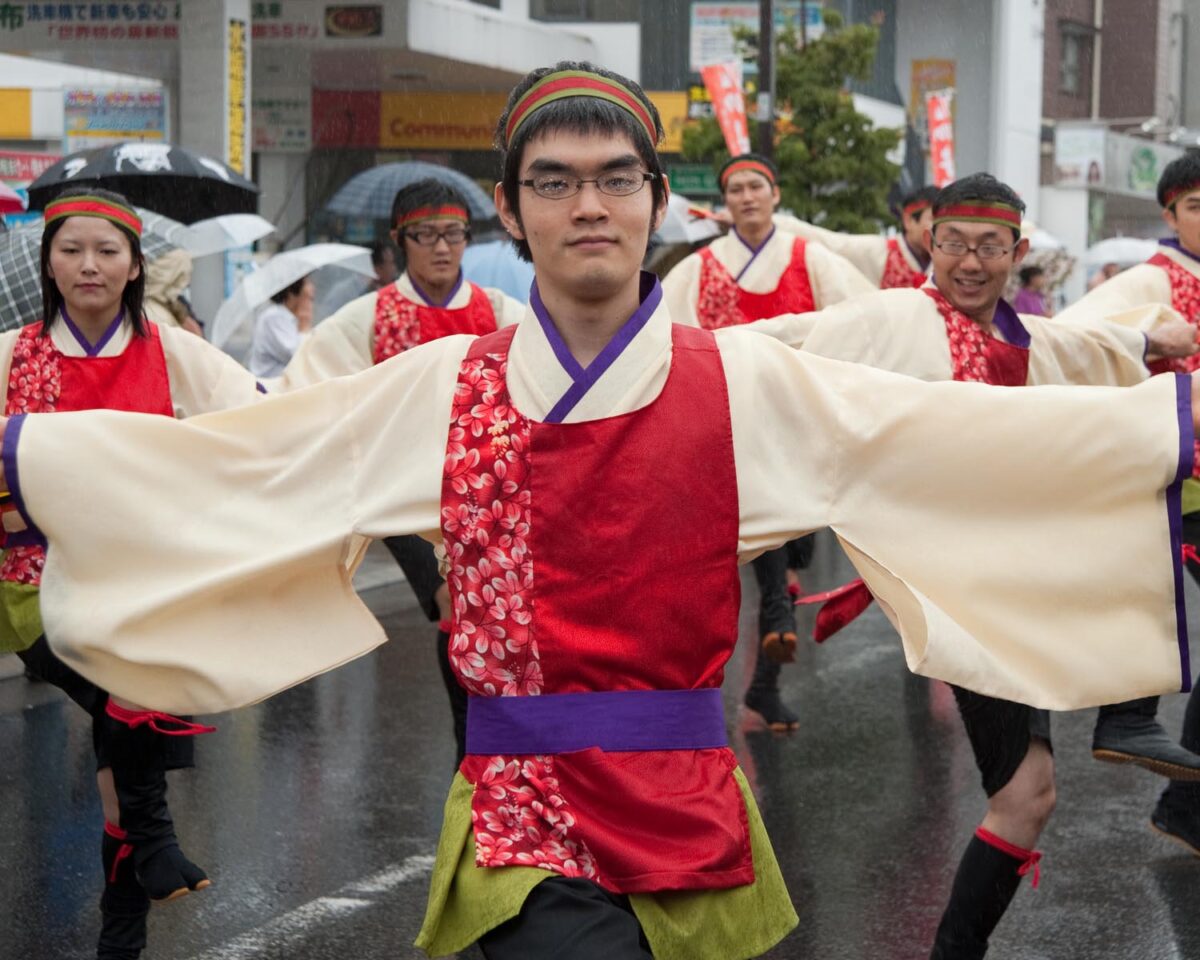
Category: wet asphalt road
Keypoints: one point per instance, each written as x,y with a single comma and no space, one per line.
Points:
317,814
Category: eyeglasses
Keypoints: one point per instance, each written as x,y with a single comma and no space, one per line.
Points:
428,237
985,251
617,183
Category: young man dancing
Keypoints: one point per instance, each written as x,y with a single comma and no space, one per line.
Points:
576,466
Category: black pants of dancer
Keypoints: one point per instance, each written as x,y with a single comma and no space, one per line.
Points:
776,608
1183,797
569,917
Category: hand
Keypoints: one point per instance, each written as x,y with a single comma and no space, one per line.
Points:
1171,338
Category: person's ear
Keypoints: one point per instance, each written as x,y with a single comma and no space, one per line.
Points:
508,217
1020,250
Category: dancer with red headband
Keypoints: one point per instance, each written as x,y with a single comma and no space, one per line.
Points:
1170,278
959,328
577,465
888,262
430,299
95,349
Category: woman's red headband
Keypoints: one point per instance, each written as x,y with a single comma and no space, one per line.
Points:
421,214
84,206
578,83
739,165
983,211
1173,195
912,209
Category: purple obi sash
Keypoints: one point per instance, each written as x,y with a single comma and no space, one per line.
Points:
617,720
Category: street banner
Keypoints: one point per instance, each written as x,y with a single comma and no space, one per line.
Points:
941,136
724,83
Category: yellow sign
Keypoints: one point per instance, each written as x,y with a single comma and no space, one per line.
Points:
467,121
15,114
236,121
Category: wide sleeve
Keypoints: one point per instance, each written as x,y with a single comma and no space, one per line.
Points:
681,291
507,310
1024,542
833,277
203,378
867,253
1127,291
199,565
1103,354
339,346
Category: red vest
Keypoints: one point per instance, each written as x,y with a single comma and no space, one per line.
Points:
42,380
566,545
897,271
401,324
722,303
976,356
1185,297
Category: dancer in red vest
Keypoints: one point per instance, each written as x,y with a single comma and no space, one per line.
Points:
429,300
575,468
94,349
888,262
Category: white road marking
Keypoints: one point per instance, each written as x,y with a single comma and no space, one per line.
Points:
296,924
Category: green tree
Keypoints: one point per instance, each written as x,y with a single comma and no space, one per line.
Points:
833,165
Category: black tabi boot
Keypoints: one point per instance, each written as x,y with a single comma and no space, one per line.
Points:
988,876
124,903
1178,812
454,691
136,748
1130,733
763,695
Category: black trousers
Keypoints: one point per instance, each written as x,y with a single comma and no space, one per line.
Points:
1185,795
569,917
776,611
419,565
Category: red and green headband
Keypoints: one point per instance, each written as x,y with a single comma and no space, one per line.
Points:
578,83
912,209
982,211
448,211
739,165
1177,192
86,206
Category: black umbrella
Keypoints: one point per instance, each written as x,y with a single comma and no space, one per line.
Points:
170,180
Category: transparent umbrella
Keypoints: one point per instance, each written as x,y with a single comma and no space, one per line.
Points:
684,223
1121,250
226,232
281,271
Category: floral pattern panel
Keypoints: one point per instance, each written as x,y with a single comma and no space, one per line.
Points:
397,324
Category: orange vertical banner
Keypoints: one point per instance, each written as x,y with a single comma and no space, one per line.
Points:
941,136
724,83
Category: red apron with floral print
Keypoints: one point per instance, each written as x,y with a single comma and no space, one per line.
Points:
722,303
401,324
1185,297
566,544
897,271
43,380
977,357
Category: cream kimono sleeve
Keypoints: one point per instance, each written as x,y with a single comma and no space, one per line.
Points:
339,346
1122,298
199,565
681,290
1024,543
866,252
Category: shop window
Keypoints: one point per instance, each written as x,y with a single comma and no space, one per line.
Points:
1075,59
611,11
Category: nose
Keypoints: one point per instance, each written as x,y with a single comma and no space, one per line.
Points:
969,256
441,241
89,263
589,203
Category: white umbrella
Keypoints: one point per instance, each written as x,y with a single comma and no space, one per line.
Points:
682,225
226,232
1040,239
1121,250
278,273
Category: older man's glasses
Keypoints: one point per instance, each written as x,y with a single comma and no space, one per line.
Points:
428,237
985,251
616,183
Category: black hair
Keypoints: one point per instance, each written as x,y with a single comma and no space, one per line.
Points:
980,187
1026,274
927,195
291,290
1180,173
582,115
756,157
379,248
135,289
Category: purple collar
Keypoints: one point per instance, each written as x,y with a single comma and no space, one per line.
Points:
1010,325
1174,244
584,379
89,348
754,251
450,296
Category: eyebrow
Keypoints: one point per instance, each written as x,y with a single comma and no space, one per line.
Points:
550,165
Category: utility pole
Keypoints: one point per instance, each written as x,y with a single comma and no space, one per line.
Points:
766,78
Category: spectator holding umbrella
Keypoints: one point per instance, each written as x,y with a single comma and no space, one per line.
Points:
281,328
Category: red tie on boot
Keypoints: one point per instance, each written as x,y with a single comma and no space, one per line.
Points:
1030,859
157,721
123,851
839,606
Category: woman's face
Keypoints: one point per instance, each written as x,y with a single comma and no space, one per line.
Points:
91,261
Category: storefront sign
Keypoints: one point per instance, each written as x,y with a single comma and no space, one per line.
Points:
95,118
235,122
18,170
713,25
432,121
282,122
354,22
1078,156
693,180
1132,165
74,22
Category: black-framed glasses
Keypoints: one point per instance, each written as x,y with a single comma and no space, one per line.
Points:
616,183
428,237
985,251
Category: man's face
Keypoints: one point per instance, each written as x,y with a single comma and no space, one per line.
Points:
588,246
433,250
915,226
1184,219
751,200
971,283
